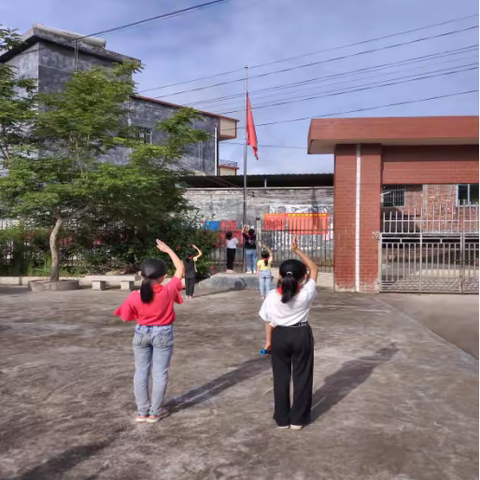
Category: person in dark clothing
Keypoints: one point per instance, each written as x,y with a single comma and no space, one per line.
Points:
189,263
250,245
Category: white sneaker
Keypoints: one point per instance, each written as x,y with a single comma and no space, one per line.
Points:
296,427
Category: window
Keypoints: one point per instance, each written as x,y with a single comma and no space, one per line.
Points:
144,134
467,194
393,195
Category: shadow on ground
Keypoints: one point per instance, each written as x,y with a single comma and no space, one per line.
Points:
57,467
352,374
14,290
245,371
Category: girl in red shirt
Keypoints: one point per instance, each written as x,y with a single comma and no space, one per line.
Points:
152,308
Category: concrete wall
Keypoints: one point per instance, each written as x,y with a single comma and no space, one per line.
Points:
225,204
199,156
26,64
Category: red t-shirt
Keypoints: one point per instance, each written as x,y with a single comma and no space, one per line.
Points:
159,311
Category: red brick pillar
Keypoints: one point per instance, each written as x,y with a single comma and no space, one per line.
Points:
345,216
370,211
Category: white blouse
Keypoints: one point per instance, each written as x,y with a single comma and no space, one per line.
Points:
297,310
232,243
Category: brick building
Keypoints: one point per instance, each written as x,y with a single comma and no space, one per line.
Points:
49,56
419,164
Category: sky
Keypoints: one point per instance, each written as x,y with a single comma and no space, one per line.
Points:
238,33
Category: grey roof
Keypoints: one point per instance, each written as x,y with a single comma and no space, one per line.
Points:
66,39
258,181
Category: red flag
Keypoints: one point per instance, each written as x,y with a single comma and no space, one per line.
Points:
251,134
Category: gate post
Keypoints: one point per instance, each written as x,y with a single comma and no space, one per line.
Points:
379,237
462,261
421,260
258,229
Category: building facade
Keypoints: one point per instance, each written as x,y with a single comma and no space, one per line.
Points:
49,56
418,174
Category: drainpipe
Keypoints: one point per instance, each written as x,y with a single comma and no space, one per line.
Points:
357,216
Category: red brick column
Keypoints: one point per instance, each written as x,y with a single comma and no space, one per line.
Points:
344,216
370,204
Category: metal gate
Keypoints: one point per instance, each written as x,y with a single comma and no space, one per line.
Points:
432,250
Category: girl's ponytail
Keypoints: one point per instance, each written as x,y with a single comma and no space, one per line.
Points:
146,291
152,269
292,272
289,287
266,257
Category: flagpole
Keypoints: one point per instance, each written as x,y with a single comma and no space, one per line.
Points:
245,152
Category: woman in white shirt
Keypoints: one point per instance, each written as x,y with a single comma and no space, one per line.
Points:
289,339
231,244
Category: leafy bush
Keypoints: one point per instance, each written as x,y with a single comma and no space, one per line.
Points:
100,249
24,251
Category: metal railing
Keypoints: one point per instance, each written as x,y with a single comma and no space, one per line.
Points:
436,219
435,249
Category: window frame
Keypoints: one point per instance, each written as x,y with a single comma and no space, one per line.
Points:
396,188
468,202
145,134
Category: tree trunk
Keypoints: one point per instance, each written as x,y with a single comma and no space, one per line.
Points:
55,268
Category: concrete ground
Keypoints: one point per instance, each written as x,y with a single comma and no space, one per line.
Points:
392,400
453,317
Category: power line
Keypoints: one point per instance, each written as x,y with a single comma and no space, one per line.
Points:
473,66
466,92
157,17
350,88
377,67
140,22
338,47
306,65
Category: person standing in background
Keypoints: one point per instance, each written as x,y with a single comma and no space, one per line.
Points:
264,271
190,265
250,246
231,244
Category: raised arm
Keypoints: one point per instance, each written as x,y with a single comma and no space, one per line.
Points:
199,253
307,260
178,264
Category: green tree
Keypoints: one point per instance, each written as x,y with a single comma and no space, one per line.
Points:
67,181
18,102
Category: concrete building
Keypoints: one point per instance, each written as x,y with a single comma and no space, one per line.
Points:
425,170
49,56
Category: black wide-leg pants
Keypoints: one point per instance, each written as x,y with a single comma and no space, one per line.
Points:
292,355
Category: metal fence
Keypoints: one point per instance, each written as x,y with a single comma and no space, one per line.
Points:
430,250
314,238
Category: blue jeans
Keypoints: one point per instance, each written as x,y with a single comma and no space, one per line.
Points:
264,278
151,343
251,259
